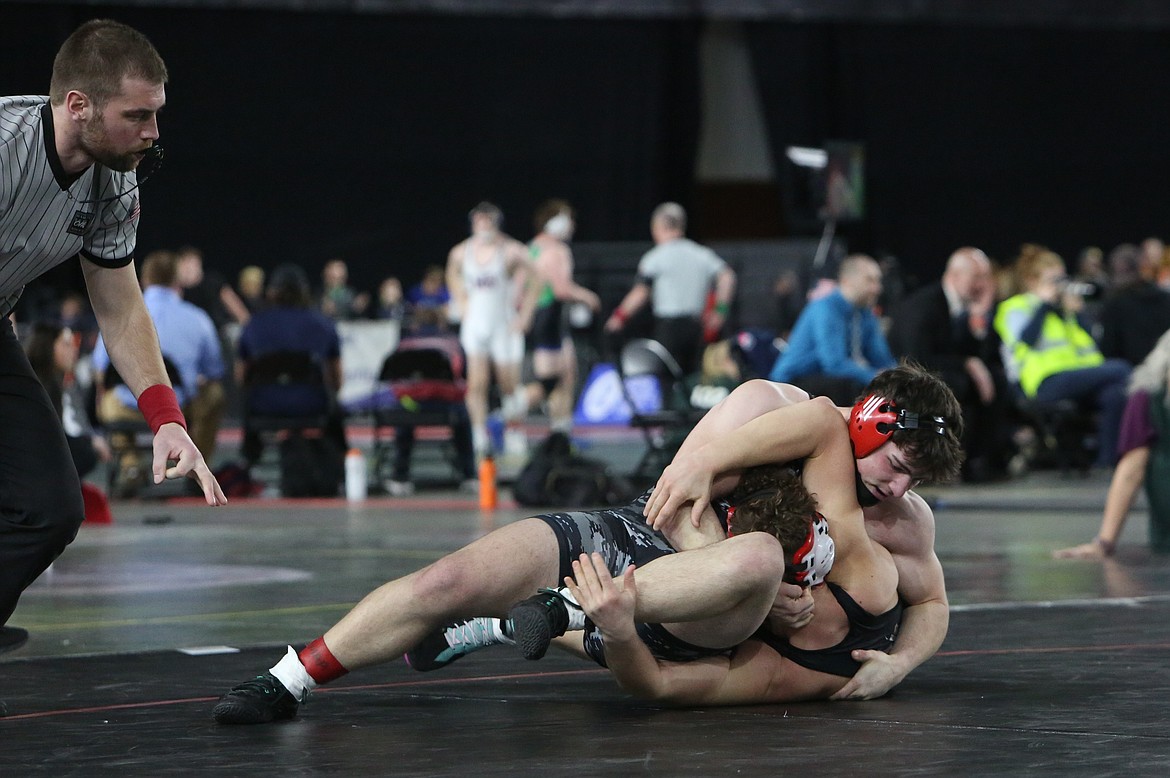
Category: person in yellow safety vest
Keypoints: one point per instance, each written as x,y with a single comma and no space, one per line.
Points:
1051,356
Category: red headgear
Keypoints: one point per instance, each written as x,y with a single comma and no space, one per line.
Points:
873,420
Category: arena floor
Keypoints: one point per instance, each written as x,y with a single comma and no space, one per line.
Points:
1050,667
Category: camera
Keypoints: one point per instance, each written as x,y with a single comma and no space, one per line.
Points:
1078,288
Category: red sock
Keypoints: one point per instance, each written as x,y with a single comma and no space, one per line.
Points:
320,662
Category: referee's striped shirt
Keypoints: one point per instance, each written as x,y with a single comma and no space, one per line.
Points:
44,219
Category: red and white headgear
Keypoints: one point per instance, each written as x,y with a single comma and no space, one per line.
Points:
810,564
873,420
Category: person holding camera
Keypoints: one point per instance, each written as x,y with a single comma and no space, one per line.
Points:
1051,355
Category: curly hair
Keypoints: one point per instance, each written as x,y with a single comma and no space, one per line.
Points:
773,499
934,458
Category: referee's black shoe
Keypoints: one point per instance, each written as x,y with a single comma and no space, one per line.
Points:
258,701
12,638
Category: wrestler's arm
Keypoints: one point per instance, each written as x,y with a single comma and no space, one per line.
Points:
129,335
925,620
527,289
610,603
761,422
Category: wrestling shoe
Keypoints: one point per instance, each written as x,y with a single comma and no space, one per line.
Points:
444,646
536,621
258,701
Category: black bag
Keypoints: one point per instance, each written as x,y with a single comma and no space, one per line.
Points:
310,467
556,477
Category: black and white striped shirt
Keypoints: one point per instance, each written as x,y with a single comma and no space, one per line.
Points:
44,219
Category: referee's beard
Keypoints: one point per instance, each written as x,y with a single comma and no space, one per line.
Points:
95,142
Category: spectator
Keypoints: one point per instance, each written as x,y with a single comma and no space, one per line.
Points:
1136,313
676,276
189,341
52,351
1144,449
391,303
339,301
430,295
250,289
290,324
837,345
1048,352
208,289
789,299
945,327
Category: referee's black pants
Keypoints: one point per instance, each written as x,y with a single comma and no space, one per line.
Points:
40,492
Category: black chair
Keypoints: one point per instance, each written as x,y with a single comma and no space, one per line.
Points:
284,395
425,376
1065,433
665,429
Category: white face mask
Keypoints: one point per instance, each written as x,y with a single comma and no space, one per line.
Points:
560,226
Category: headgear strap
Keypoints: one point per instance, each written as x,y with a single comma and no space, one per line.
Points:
873,420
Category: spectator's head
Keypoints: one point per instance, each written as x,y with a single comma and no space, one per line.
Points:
968,274
251,282
917,455
1037,266
433,279
1090,262
52,349
1152,250
860,280
288,287
335,273
1125,262
160,268
557,218
668,222
485,220
390,291
190,266
96,59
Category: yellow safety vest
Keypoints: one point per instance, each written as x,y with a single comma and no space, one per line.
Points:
1063,343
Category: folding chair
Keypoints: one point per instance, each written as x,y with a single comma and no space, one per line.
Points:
664,429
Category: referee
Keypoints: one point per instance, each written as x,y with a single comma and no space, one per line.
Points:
68,189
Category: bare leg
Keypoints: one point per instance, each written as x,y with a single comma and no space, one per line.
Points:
715,596
484,578
478,375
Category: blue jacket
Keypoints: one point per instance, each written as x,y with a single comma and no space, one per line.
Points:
820,343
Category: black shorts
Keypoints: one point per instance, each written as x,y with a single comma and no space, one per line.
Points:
549,331
622,537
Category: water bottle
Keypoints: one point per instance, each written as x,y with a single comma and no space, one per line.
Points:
489,495
355,475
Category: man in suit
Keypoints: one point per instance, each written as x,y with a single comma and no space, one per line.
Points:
945,327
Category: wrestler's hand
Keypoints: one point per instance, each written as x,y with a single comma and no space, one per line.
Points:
609,602
172,442
1090,550
879,673
685,480
792,608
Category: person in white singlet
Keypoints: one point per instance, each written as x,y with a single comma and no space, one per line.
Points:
487,275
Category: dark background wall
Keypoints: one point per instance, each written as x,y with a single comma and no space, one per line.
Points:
298,136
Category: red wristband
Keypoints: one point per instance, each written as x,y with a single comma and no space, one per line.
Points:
160,406
620,315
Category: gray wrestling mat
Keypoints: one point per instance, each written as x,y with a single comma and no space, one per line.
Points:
1049,667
